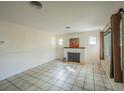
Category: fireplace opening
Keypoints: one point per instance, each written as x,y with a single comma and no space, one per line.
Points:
73,57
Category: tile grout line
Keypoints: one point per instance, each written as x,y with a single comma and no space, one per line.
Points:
49,68
56,81
93,77
85,76
39,79
13,85
31,83
102,77
75,81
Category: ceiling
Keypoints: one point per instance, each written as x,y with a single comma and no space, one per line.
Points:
56,15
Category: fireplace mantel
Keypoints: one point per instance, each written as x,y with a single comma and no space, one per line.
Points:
76,48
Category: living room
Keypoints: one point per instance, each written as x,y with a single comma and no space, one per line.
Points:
61,45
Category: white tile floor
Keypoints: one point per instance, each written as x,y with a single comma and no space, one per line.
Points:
59,76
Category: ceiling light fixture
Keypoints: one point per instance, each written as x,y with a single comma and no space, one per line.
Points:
67,27
36,4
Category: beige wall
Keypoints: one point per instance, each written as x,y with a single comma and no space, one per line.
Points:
92,51
23,48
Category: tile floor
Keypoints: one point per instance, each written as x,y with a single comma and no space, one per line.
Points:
59,76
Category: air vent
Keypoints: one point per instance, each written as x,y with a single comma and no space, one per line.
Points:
36,4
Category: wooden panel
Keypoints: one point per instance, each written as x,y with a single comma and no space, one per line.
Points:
101,45
115,26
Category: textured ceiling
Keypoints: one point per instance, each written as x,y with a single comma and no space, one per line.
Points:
56,15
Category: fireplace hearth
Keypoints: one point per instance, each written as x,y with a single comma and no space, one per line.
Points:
73,57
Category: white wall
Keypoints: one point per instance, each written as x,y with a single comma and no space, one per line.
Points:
60,49
92,51
23,48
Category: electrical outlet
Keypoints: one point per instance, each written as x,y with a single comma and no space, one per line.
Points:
1,42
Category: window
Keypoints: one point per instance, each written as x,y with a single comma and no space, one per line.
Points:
92,40
107,45
60,42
